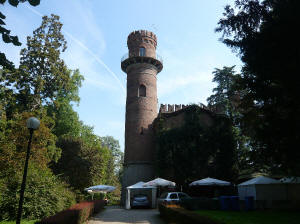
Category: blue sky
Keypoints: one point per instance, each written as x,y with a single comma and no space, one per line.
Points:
96,32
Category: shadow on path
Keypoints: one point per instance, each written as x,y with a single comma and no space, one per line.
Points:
118,215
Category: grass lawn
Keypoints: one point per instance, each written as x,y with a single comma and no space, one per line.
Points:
22,222
253,217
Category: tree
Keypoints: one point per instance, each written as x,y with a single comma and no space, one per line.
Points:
224,92
45,193
43,77
84,162
264,33
114,165
114,146
5,33
67,121
29,91
14,135
228,98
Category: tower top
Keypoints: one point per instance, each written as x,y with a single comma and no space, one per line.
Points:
141,36
141,49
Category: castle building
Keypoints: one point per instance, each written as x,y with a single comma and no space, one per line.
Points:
142,66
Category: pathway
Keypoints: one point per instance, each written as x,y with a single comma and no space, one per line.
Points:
118,215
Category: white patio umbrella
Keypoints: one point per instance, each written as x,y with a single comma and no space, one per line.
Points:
99,189
159,182
209,182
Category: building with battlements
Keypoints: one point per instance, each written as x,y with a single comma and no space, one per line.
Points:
142,66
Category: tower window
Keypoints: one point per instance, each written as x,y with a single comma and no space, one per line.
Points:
142,131
142,51
142,91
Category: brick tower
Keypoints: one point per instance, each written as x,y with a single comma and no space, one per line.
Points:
141,65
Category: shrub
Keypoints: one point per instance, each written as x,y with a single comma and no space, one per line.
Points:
179,215
77,214
199,203
44,195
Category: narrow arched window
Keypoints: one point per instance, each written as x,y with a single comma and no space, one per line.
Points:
142,131
142,91
142,51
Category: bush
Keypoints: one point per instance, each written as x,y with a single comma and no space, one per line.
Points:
179,215
199,203
76,214
44,195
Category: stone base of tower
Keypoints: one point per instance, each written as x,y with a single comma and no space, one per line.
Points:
133,173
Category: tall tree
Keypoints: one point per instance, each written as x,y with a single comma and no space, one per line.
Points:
114,164
227,98
84,161
264,33
224,92
114,146
43,76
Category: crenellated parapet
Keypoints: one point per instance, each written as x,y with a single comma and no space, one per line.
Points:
170,108
141,36
141,50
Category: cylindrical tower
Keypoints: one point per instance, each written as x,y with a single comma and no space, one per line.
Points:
141,65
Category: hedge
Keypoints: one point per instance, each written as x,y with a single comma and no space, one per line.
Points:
77,214
200,203
178,215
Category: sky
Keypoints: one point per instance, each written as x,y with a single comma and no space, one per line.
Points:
96,33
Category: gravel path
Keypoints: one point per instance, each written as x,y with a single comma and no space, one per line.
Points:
117,215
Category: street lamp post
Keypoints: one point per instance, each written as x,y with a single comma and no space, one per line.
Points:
32,124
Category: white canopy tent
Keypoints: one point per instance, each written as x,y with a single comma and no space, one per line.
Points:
210,182
99,189
159,182
140,185
262,188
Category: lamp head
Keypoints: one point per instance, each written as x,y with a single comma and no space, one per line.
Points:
33,123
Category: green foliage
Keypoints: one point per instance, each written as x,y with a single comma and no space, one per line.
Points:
14,136
43,77
117,155
227,97
178,215
196,150
67,121
114,166
44,87
45,194
264,33
224,92
257,217
23,222
83,162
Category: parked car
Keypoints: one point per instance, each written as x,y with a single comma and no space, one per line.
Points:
171,197
140,200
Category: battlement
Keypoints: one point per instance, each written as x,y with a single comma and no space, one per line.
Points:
140,36
170,108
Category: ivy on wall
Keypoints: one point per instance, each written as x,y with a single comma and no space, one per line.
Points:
195,150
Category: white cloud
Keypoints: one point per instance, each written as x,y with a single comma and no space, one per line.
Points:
86,23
